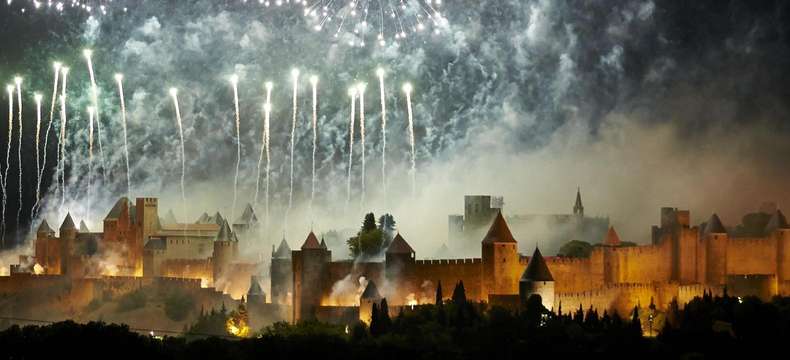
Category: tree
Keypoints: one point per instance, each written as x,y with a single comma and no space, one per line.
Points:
576,249
369,240
384,317
459,293
375,321
387,226
439,296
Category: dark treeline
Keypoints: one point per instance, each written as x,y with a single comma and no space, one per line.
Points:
455,329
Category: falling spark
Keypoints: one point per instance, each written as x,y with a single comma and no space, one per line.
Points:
119,80
361,92
234,80
62,145
91,114
407,89
352,92
95,100
295,76
10,90
174,95
380,73
18,81
57,67
314,83
38,99
267,108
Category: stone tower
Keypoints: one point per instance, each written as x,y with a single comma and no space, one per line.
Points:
310,272
281,274
500,259
537,280
715,238
369,297
68,235
44,235
226,250
399,261
255,295
578,208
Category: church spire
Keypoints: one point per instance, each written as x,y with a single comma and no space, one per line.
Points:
578,208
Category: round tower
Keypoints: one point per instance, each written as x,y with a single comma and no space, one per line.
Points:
500,259
281,274
68,234
537,280
226,249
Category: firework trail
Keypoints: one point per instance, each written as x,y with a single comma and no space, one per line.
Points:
361,92
18,81
57,66
295,75
10,90
174,95
407,89
62,144
234,80
91,113
380,73
353,94
314,83
267,108
38,99
119,80
95,99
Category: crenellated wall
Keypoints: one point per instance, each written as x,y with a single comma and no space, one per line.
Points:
449,272
746,256
570,274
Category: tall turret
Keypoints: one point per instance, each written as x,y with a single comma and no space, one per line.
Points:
255,294
369,297
500,259
537,280
68,235
246,221
281,274
226,250
44,235
399,261
310,271
715,238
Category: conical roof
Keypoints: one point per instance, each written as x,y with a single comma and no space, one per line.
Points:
537,270
612,239
203,219
778,221
44,227
84,227
217,219
255,287
169,218
578,205
283,251
323,244
225,233
371,291
499,232
247,217
714,226
399,246
311,242
68,223
443,252
116,210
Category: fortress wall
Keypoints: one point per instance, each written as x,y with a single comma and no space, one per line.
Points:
620,298
687,293
187,268
751,256
570,274
354,270
688,253
782,257
24,281
422,281
641,264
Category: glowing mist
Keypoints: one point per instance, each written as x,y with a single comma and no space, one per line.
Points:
314,83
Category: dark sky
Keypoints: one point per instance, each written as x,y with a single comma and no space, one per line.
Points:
507,77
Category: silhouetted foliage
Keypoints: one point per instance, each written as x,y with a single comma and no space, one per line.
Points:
575,249
369,240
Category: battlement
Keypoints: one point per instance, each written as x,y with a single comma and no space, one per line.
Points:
524,260
449,261
149,201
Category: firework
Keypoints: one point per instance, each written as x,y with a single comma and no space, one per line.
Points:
62,144
361,93
10,91
119,80
295,76
314,83
18,82
234,80
91,114
352,92
380,74
38,99
95,100
174,95
267,108
408,89
57,66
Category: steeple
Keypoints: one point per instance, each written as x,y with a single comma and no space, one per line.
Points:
714,226
84,227
578,208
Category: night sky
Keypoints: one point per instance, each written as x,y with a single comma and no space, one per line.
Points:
641,103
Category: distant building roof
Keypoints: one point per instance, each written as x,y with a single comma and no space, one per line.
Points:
499,231
283,251
714,226
204,218
371,291
778,221
116,210
255,287
311,242
399,246
169,218
612,239
537,270
247,217
84,227
68,222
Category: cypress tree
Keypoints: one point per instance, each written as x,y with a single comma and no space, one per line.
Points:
439,295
